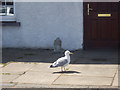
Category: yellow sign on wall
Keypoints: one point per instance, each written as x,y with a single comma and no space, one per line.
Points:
104,15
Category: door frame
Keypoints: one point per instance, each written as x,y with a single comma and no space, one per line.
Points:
119,25
84,42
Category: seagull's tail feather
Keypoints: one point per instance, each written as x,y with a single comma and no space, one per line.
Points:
51,66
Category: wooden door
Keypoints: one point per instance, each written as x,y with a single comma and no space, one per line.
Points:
101,24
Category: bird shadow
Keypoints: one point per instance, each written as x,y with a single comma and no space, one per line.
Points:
66,72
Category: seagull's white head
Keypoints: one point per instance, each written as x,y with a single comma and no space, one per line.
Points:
68,52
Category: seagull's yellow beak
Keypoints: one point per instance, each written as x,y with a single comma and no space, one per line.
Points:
71,53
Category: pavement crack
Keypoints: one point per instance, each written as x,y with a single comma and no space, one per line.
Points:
22,74
114,77
56,79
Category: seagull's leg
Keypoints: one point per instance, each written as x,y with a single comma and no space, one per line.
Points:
64,69
61,69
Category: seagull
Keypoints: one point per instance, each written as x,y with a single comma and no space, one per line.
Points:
63,61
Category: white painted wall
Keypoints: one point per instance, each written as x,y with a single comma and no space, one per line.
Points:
42,23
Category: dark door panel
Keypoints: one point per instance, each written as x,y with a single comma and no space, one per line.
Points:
101,25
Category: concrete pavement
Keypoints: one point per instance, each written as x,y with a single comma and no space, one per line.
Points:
37,75
87,70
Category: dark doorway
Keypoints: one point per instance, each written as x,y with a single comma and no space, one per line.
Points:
101,24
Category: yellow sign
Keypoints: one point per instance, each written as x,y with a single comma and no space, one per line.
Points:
104,15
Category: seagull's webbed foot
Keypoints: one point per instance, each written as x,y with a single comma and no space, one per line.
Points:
61,69
64,69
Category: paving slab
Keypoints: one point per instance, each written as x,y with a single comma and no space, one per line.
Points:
77,80
0,77
93,70
18,67
1,65
7,85
47,86
103,87
37,78
9,78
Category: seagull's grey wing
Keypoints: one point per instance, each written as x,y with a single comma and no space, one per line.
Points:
61,62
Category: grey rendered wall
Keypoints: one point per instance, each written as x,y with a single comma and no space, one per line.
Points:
42,23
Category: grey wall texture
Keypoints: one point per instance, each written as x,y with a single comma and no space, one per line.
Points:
43,22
